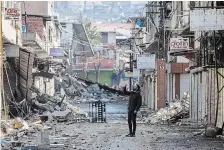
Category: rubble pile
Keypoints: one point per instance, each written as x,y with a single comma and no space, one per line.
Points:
178,109
79,91
13,130
44,111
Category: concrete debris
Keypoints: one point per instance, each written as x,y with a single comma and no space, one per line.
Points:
176,110
79,90
211,131
61,115
45,110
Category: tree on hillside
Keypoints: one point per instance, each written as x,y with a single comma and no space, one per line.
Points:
91,31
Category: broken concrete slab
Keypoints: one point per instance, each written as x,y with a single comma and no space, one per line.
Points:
44,107
61,115
172,113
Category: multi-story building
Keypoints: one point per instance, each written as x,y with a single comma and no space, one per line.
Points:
178,77
43,35
205,65
12,45
145,31
168,80
187,58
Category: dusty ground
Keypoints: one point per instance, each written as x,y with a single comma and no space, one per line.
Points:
111,136
105,136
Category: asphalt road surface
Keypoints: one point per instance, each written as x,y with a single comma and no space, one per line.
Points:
110,136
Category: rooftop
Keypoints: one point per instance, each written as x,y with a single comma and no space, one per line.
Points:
122,28
105,64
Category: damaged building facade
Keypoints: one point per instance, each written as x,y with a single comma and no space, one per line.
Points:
187,60
15,77
205,65
32,54
43,35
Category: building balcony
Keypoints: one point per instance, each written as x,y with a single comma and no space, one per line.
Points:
33,40
37,8
9,32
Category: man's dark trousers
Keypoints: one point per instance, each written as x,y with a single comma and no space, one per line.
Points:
132,121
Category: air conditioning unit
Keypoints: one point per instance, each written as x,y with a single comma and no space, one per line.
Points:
43,67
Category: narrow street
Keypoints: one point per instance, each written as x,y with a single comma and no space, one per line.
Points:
105,136
81,74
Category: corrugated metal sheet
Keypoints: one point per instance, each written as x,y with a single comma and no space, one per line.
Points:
212,99
184,83
170,87
148,91
191,93
194,97
204,96
151,85
144,92
26,64
199,91
220,116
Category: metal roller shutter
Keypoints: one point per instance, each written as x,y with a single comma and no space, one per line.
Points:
184,84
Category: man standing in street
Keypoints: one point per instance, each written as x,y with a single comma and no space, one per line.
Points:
135,102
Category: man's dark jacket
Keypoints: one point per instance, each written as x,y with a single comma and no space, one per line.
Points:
135,100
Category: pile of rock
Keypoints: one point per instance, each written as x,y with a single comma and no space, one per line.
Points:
176,110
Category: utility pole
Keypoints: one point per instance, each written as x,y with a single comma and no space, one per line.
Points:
161,51
164,33
130,65
1,56
2,93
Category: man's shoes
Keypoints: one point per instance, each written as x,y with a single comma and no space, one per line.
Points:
129,135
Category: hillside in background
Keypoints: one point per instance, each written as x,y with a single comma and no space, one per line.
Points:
100,11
